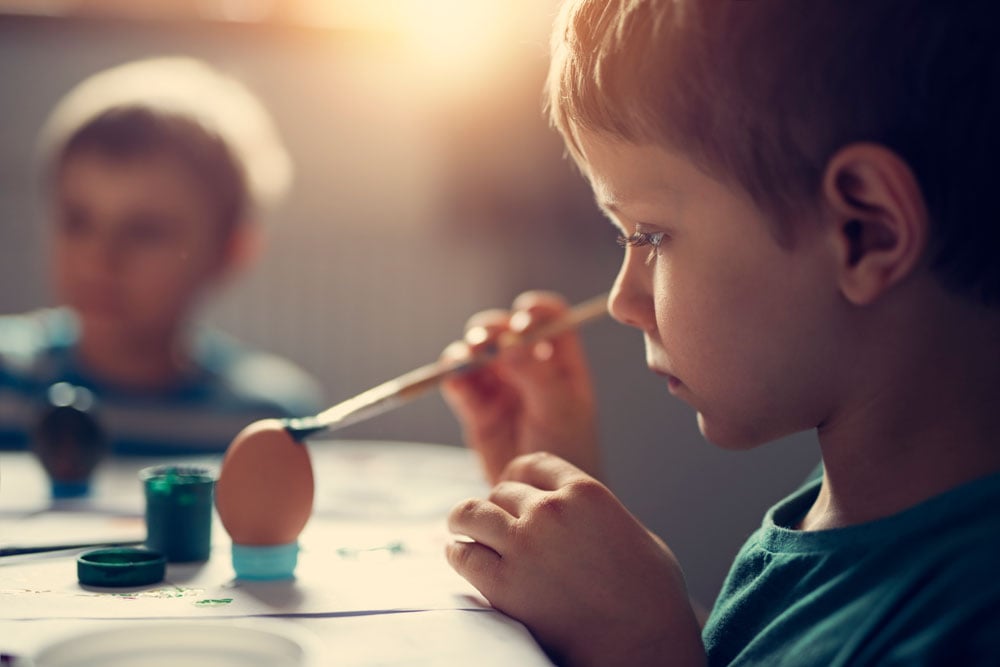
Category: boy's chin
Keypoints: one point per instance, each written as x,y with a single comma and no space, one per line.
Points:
730,436
104,327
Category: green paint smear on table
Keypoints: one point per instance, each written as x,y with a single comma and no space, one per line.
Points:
218,602
162,593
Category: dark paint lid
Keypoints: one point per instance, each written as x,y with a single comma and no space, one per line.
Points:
120,567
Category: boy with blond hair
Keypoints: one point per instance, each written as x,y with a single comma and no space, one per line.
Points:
804,192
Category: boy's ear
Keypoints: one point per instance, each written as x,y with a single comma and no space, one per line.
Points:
881,224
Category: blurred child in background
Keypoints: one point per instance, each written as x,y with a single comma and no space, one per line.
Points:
155,172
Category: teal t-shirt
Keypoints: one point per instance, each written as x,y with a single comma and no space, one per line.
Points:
921,587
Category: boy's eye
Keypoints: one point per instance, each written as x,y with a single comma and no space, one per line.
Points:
73,223
639,239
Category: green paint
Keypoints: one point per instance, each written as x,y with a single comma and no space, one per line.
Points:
214,603
179,511
157,593
392,548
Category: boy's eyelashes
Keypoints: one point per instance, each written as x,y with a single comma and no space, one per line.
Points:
639,239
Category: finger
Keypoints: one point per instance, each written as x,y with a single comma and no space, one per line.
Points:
479,564
544,299
513,497
533,310
488,318
473,391
456,352
478,398
483,521
543,471
559,356
483,329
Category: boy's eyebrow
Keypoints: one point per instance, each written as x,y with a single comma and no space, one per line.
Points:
611,202
612,205
607,201
609,205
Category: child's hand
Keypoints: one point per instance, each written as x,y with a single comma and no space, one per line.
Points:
556,550
530,399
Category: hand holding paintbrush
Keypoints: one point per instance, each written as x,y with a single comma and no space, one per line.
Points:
264,492
405,388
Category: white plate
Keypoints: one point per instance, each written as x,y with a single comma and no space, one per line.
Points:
169,644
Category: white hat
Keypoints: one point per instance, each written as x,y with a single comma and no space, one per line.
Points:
184,85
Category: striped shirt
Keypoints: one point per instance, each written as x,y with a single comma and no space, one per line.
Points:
231,386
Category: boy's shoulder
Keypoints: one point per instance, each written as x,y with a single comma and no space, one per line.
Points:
29,342
921,583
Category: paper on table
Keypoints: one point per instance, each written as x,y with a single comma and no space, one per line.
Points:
344,568
368,495
390,480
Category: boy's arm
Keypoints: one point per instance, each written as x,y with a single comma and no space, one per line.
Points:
553,548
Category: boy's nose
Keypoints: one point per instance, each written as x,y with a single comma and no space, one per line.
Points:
631,300
101,255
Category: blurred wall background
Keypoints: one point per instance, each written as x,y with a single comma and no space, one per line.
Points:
427,187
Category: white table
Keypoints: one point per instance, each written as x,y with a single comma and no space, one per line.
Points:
372,586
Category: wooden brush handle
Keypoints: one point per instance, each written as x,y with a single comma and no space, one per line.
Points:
406,387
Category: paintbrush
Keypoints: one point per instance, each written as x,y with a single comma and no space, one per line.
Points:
25,550
405,388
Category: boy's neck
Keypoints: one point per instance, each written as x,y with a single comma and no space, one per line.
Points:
921,418
139,363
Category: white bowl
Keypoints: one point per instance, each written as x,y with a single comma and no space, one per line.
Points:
171,643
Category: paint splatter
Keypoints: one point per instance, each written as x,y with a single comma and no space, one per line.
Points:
218,602
386,550
158,593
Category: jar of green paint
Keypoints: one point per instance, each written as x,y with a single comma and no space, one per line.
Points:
179,511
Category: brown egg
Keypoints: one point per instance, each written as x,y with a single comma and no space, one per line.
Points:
264,493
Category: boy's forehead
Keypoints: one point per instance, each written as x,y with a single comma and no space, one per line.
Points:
135,183
624,175
149,166
636,203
